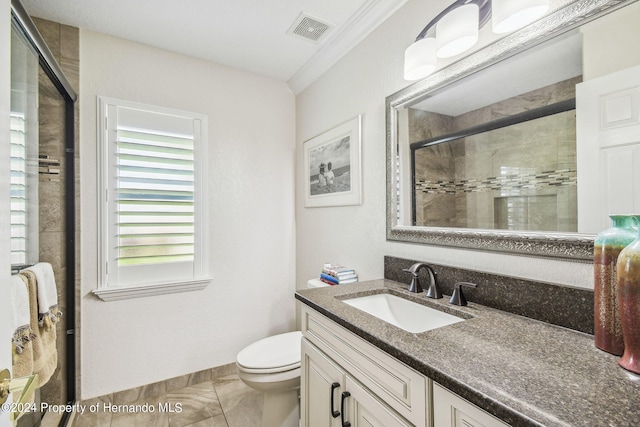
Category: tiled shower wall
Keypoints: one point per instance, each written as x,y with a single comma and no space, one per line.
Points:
63,41
520,177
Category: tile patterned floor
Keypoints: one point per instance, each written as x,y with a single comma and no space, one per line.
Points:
223,402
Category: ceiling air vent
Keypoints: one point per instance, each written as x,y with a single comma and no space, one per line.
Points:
309,28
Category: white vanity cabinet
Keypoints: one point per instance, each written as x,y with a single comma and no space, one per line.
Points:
346,379
450,410
366,386
321,385
331,397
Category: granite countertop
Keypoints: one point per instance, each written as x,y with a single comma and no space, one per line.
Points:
523,371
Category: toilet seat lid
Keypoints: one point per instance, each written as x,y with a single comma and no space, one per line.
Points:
277,351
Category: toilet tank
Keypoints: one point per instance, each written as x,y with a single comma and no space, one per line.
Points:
316,283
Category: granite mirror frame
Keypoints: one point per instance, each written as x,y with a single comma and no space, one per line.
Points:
567,246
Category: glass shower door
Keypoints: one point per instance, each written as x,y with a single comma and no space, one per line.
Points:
24,151
42,213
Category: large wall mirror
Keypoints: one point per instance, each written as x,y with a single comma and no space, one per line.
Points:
483,153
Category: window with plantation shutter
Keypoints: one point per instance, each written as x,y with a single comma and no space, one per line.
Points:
154,200
18,190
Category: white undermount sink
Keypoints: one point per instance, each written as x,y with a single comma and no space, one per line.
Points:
403,313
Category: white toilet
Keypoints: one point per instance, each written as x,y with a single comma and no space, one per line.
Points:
272,365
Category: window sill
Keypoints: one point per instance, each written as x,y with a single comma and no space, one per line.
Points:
141,291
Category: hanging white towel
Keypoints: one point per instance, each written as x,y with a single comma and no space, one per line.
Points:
44,354
47,291
20,313
20,299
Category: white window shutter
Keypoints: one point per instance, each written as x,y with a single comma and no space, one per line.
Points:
153,179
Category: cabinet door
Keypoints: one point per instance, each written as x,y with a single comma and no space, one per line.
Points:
403,389
450,410
321,385
363,409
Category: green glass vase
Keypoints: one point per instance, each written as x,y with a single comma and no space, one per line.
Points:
629,301
608,245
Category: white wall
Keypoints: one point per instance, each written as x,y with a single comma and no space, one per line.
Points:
358,84
251,157
611,43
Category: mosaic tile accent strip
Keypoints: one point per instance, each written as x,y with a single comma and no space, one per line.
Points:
556,178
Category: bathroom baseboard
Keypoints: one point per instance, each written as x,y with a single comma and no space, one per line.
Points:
126,397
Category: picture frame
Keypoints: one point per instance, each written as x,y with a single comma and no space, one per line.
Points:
332,166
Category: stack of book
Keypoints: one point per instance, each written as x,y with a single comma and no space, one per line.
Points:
338,275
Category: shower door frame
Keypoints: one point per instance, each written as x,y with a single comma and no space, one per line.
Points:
50,66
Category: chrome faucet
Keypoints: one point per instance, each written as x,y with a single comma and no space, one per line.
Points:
432,291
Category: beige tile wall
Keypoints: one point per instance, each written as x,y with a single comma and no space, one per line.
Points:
528,148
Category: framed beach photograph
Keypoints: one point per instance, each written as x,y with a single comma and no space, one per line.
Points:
332,165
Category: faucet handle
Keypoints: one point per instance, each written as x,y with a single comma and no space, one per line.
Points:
408,270
415,286
458,297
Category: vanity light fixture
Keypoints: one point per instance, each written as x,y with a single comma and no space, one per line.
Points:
509,15
455,30
420,59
